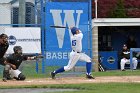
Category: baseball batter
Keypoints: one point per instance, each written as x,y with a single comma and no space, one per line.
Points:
76,54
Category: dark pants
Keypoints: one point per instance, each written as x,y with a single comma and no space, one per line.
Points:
6,69
2,61
20,77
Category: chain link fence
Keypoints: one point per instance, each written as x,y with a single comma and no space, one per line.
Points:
21,13
29,14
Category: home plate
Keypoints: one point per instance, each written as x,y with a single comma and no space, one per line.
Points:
33,81
29,81
137,81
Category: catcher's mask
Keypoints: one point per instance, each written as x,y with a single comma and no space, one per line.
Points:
17,50
4,37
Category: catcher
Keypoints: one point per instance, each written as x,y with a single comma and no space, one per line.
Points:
13,62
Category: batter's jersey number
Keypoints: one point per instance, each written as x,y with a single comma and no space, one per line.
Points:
73,42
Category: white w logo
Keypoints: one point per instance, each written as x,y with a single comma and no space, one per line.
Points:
68,20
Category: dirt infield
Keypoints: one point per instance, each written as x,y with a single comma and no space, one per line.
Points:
72,80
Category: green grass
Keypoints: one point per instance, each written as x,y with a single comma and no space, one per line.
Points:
32,73
93,88
29,71
101,88
118,73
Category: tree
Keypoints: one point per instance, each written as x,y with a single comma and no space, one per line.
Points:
104,8
119,11
132,8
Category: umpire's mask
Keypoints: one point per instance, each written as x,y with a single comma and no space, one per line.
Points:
17,50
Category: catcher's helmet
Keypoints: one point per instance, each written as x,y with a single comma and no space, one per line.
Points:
73,30
17,49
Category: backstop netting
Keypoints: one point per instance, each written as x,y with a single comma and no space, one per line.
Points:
27,23
21,21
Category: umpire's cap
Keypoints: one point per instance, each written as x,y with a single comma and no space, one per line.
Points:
73,30
3,36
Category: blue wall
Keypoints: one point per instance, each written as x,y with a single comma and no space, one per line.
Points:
58,45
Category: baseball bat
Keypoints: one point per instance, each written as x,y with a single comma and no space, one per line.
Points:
59,26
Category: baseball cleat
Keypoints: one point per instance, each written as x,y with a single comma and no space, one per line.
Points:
123,70
52,75
89,76
4,80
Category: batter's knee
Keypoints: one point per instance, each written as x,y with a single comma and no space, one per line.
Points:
21,77
67,68
89,62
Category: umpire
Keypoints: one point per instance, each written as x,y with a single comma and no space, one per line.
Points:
3,48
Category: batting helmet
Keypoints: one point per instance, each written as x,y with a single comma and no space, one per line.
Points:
17,49
73,30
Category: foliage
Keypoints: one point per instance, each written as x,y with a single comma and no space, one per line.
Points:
119,11
131,8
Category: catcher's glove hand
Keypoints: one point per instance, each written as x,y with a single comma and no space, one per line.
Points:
11,65
39,56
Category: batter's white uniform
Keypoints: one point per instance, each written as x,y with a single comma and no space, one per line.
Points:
76,53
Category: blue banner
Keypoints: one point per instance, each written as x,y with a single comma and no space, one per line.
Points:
69,14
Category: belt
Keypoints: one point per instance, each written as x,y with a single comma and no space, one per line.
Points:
75,51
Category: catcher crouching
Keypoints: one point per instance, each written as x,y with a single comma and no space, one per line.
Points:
13,61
